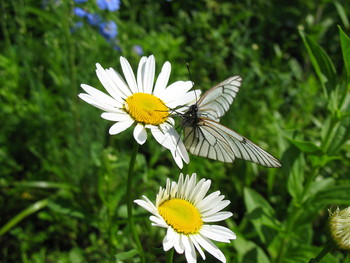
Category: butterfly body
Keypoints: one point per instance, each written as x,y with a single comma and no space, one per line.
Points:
205,136
190,118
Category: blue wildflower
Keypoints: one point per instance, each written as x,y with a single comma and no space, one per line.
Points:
80,1
80,12
93,19
117,48
109,29
138,50
76,26
111,5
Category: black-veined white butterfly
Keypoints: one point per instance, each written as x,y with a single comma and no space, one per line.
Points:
205,136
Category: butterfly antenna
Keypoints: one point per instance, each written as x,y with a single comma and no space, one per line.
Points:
189,73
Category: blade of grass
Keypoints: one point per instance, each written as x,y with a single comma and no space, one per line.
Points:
23,214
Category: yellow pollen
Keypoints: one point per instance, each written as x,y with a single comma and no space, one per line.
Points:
181,215
146,108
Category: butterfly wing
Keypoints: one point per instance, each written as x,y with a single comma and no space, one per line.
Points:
207,143
215,102
212,140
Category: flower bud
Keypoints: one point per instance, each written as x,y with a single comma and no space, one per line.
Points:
340,227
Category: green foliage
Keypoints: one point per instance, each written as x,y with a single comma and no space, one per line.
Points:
63,178
322,64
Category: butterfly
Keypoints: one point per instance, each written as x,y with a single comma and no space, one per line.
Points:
205,136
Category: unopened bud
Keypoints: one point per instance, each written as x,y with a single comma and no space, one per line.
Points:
340,227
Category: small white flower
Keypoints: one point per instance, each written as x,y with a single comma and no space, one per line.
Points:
184,210
340,227
137,101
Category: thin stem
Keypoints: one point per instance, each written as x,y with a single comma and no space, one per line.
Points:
327,248
170,256
130,203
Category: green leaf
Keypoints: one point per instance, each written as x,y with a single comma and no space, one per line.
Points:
248,251
126,255
65,207
342,14
318,186
304,252
334,195
305,146
335,134
322,64
296,178
261,214
341,135
254,200
345,47
323,160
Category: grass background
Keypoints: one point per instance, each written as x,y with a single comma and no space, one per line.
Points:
63,177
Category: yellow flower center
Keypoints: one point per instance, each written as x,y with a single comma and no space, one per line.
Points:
181,215
146,108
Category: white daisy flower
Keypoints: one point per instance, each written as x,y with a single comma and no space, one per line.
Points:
184,210
137,101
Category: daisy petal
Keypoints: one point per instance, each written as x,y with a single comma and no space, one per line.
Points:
169,139
168,242
217,217
175,91
147,204
178,245
224,231
190,252
202,192
216,208
210,201
162,80
177,158
115,116
141,73
129,75
161,138
210,247
158,221
140,134
120,126
100,105
107,83
212,233
198,247
148,77
187,99
122,88
100,96
172,135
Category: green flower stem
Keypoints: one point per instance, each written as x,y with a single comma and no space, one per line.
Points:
130,202
169,256
327,248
